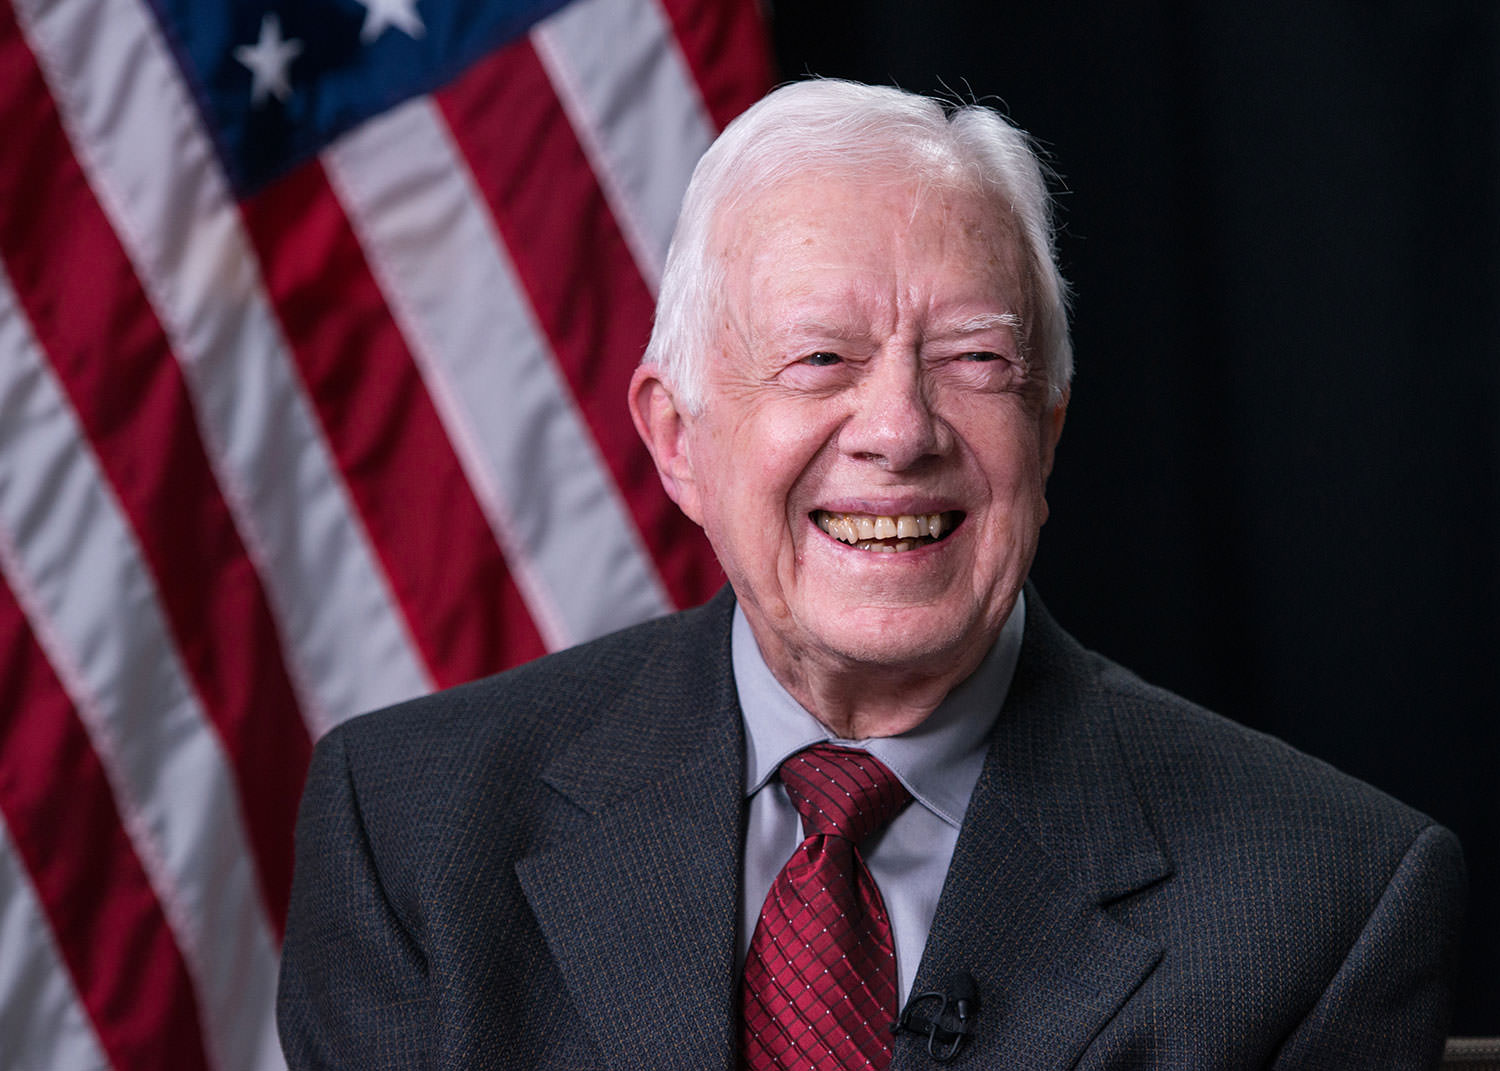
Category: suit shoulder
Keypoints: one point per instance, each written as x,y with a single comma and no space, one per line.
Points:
1283,873
520,717
1218,790
461,772
1269,882
1180,754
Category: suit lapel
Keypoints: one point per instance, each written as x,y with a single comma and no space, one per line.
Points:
638,902
1053,834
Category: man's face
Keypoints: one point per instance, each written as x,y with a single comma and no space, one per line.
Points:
871,389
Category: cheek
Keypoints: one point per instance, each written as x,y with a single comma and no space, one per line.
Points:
780,452
1003,439
1012,467
750,483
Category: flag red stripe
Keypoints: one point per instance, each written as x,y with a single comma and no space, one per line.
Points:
110,354
727,51
126,967
583,284
427,527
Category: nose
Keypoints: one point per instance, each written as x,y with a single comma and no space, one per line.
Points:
893,423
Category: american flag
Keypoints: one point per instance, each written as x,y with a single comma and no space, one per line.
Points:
315,325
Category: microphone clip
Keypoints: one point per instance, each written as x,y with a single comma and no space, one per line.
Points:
950,1024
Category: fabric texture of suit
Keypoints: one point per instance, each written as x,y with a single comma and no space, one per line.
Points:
541,869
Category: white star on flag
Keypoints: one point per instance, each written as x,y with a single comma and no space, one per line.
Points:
401,14
268,60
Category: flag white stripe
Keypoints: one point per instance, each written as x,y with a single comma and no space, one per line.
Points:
626,88
573,547
77,572
137,135
42,1021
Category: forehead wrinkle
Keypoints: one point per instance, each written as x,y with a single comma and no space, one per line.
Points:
828,288
833,305
841,328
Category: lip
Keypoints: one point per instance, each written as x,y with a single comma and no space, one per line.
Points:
888,507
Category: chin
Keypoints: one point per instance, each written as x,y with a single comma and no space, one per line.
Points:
920,639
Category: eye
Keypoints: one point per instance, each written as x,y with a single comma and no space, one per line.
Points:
981,355
822,359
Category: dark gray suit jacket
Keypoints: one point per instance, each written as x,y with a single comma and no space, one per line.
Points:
541,869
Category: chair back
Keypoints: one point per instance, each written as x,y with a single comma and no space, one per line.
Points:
1472,1054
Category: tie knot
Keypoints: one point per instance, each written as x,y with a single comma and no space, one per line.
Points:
842,792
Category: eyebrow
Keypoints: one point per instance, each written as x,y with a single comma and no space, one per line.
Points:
986,322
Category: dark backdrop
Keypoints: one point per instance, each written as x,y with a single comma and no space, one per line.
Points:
1279,488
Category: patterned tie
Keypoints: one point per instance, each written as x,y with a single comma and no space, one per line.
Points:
820,978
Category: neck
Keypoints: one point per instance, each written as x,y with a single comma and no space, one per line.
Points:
858,700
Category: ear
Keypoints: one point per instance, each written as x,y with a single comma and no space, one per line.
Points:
663,426
1053,417
1051,430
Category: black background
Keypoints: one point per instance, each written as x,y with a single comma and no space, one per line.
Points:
1279,488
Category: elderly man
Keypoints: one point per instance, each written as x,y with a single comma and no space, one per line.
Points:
872,774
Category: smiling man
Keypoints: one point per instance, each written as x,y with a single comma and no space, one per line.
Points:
873,774
870,456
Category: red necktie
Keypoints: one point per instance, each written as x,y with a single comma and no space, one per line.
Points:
820,978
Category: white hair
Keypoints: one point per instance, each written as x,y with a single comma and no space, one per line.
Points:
827,125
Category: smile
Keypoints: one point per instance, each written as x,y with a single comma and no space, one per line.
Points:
889,535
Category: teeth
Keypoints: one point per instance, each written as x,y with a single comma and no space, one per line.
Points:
884,534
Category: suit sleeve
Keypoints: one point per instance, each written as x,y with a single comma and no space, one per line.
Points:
353,987
1388,1004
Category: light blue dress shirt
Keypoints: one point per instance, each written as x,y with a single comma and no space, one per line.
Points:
939,762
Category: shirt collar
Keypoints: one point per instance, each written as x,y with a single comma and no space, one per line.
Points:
939,761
